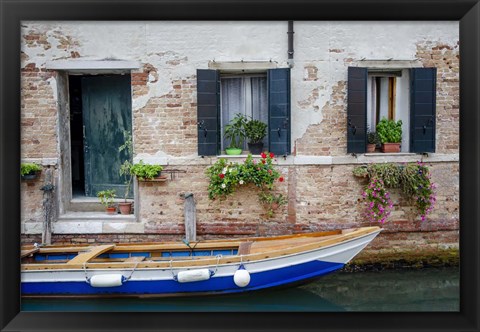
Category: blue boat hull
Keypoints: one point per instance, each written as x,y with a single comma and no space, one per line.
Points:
217,284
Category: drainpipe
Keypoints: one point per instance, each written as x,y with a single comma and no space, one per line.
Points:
290,44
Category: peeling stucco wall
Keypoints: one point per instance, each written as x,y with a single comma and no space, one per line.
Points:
321,191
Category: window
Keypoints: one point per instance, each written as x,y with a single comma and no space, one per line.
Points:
246,95
265,97
400,94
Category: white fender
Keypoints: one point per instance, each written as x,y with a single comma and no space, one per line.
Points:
193,275
106,280
241,278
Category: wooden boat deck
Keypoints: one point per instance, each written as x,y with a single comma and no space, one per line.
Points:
249,249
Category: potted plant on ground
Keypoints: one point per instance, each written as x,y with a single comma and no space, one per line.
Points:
106,199
125,171
372,140
146,171
234,131
30,171
255,131
390,135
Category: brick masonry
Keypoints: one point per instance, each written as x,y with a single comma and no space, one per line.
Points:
319,196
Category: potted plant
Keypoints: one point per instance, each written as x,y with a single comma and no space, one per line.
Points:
390,135
125,171
234,131
146,171
372,140
255,131
106,199
30,171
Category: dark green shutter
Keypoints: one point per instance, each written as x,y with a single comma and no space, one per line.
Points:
422,109
279,110
208,110
357,110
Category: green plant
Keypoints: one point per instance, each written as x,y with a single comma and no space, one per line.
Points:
372,137
413,179
27,168
145,171
125,168
234,131
255,130
225,177
270,200
106,197
389,131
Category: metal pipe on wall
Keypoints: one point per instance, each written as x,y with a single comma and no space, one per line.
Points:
290,44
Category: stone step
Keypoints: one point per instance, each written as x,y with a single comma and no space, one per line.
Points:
95,216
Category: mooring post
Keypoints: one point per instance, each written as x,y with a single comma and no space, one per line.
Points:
190,218
47,207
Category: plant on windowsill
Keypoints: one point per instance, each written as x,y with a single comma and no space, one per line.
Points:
234,131
106,199
390,135
125,171
372,141
255,131
145,172
29,171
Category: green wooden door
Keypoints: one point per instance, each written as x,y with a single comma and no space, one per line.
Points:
106,114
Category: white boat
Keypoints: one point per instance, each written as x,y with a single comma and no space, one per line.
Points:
182,268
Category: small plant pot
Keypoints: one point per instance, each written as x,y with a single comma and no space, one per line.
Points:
125,208
31,176
255,148
233,151
111,210
371,148
274,206
390,147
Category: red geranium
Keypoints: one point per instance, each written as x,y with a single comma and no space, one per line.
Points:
221,175
263,161
263,155
281,179
272,155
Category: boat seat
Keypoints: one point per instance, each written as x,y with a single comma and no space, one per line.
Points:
91,254
134,259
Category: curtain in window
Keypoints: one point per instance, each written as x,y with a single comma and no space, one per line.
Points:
245,95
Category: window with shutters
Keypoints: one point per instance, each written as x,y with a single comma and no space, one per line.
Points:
394,94
262,96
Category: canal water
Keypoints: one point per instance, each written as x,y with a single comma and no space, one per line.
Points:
428,290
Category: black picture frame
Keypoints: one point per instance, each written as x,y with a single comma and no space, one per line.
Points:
13,12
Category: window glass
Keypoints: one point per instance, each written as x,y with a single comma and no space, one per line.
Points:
246,95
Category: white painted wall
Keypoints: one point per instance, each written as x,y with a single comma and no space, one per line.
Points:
194,44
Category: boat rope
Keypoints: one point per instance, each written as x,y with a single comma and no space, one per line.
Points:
212,273
87,279
125,279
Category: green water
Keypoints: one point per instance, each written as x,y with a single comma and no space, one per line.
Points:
391,290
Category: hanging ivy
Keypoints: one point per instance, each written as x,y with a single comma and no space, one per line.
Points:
413,179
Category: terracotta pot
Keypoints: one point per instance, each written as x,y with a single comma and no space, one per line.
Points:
390,147
125,208
371,148
111,210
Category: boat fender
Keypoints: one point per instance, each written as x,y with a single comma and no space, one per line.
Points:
193,275
241,278
106,280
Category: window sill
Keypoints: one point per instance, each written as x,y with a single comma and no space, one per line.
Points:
381,154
